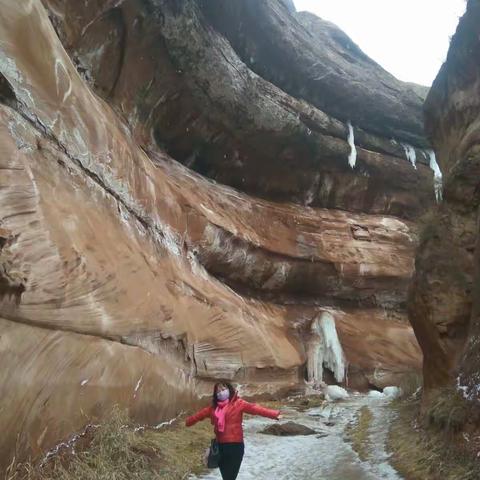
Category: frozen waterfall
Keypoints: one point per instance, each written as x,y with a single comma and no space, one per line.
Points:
410,154
352,158
437,176
324,349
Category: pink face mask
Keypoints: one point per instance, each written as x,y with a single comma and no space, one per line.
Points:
223,395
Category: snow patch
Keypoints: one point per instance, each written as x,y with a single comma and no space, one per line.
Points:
392,392
352,158
60,67
169,239
9,70
138,385
462,388
388,393
334,392
69,445
325,350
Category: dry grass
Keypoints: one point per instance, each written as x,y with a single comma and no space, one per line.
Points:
117,452
306,402
310,401
411,383
300,403
448,410
358,433
420,452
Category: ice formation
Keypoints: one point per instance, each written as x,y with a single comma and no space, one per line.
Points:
352,158
437,174
410,154
325,350
139,383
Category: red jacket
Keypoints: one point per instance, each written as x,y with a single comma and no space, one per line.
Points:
233,432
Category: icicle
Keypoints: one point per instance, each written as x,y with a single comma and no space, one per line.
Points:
437,176
410,153
325,350
352,158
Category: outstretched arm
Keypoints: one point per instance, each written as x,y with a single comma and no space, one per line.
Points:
201,415
254,409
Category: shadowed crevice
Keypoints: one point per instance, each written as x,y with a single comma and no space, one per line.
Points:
7,95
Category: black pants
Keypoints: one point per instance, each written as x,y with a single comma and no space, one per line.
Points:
231,456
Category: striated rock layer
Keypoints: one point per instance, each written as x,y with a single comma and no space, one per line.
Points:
128,275
445,298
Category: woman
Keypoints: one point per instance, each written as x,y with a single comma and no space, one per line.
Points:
226,414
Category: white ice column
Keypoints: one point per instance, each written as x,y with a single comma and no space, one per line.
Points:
352,158
325,350
437,176
410,154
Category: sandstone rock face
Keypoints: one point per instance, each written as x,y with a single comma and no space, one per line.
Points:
184,88
290,5
444,307
313,59
127,274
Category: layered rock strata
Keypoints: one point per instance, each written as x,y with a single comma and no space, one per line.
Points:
185,87
127,274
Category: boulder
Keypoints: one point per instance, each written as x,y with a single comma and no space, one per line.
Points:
288,429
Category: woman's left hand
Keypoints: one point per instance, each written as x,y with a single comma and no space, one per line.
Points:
280,417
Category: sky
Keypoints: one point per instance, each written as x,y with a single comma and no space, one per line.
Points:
409,38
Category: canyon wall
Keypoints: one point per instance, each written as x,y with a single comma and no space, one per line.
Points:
444,307
178,205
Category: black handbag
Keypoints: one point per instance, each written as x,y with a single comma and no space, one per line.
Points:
213,454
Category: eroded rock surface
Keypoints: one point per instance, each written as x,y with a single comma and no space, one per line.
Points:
313,59
129,276
186,88
445,298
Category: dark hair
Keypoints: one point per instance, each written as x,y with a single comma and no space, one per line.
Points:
215,389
